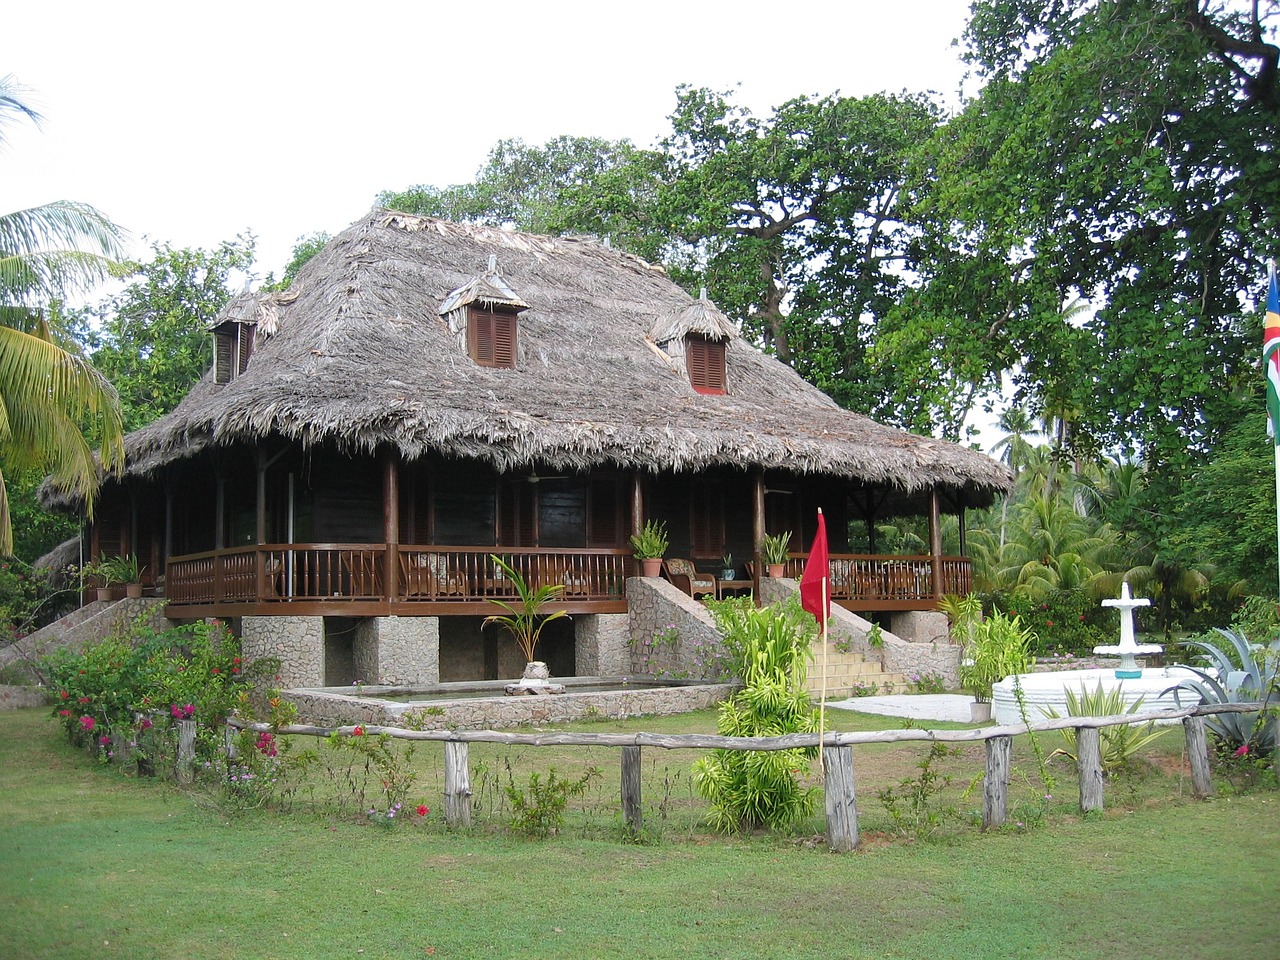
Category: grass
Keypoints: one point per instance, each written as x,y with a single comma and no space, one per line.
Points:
99,865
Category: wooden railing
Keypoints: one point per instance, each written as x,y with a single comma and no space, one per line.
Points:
320,572
868,578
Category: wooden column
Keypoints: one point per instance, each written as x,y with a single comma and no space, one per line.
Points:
1089,759
995,787
842,802
186,750
457,785
964,534
1198,755
391,524
935,542
757,532
632,812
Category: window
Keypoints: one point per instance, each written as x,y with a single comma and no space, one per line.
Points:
491,337
705,360
232,347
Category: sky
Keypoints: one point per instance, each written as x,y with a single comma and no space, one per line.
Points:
191,123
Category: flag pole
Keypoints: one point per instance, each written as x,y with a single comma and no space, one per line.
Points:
1271,368
822,697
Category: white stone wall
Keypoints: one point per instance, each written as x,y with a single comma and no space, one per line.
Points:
600,645
398,650
297,641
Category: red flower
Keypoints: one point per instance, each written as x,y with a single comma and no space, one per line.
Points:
87,723
1242,750
1048,623
64,713
84,699
104,740
216,670
64,694
358,732
422,810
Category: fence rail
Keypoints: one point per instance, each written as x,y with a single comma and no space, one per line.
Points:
837,755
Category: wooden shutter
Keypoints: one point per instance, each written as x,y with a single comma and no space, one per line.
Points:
705,361
491,338
223,354
706,518
246,348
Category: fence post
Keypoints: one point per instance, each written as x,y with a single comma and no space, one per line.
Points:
1089,760
995,787
842,802
631,810
230,743
186,750
1198,754
457,784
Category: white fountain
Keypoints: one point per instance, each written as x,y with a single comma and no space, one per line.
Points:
1043,692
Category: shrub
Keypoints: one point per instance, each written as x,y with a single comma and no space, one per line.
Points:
539,811
1118,744
752,789
1064,621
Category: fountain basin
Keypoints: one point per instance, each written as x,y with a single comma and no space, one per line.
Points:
1048,691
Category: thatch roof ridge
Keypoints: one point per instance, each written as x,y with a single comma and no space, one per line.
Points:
363,359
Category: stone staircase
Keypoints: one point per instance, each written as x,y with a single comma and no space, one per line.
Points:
89,623
845,670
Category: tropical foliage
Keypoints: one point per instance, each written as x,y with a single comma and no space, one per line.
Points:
1237,671
525,619
1119,744
53,404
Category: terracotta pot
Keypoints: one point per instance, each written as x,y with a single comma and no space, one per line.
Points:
775,570
651,567
133,591
104,593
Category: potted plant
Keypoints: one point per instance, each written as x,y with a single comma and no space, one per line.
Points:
525,618
650,544
726,567
773,550
105,573
998,647
130,574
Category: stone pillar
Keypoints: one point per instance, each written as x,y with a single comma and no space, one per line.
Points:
398,650
600,645
297,641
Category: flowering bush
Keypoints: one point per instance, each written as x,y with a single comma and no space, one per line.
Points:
1064,622
926,683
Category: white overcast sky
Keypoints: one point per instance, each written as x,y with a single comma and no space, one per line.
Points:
192,122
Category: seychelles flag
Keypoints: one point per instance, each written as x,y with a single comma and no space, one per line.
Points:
1271,357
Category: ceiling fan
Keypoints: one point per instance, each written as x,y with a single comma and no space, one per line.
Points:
535,478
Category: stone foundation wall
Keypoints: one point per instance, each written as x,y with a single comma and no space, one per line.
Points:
89,624
920,626
297,641
600,645
16,697
657,607
333,709
398,650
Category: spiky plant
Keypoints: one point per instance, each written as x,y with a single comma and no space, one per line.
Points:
525,620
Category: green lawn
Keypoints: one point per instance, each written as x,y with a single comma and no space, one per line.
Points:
97,865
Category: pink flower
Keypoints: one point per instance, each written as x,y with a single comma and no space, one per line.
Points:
146,723
422,810
87,723
104,740
64,713
1242,750
358,732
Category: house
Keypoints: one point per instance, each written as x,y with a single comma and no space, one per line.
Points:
430,394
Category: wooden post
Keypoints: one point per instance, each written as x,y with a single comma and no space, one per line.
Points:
935,543
1089,758
631,810
757,533
995,788
186,750
391,525
457,785
1198,754
842,801
230,743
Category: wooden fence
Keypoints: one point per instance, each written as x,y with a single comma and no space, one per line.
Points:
837,757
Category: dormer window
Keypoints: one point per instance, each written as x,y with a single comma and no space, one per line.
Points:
232,348
704,334
491,337
705,361
483,313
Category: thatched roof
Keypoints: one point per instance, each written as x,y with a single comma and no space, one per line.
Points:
357,353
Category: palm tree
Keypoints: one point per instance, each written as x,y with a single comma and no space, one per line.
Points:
52,401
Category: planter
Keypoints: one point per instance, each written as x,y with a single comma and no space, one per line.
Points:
133,591
980,712
651,567
727,574
105,593
775,570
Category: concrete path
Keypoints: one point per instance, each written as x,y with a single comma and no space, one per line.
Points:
918,706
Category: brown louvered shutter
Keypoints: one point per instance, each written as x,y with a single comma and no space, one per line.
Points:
223,354
246,348
705,361
492,338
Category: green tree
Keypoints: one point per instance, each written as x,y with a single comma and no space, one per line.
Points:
1124,152
152,340
53,403
304,248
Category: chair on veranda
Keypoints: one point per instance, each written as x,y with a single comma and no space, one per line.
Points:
683,574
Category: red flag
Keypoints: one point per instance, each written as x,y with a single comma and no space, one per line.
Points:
815,595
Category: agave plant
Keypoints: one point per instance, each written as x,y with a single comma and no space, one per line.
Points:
1239,672
1119,743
